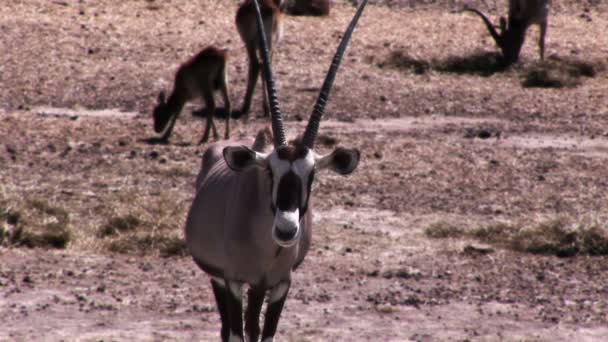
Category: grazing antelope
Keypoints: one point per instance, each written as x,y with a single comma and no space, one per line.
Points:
246,25
522,14
199,77
251,219
308,7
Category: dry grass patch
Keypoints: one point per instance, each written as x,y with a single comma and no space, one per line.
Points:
443,230
557,72
142,243
34,223
142,225
121,224
558,236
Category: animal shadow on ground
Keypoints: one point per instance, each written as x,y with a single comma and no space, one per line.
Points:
480,63
554,72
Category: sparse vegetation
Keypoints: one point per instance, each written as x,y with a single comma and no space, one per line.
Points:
553,237
144,243
120,224
559,73
36,224
443,230
555,72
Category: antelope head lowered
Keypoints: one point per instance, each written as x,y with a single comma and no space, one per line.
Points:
522,14
251,219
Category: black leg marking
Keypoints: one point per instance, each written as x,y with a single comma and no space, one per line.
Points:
220,299
235,308
275,306
252,314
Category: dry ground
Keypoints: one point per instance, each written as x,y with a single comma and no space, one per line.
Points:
442,147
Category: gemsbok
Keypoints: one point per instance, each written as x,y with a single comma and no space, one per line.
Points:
522,14
250,222
246,25
308,7
199,77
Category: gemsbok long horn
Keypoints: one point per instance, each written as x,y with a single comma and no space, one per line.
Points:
315,118
275,112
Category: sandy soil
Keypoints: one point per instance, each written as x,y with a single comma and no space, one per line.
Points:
78,81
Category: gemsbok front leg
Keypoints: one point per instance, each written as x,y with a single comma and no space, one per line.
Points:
221,301
276,301
255,300
234,305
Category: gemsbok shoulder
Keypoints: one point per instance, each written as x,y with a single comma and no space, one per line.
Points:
522,14
246,26
199,77
250,222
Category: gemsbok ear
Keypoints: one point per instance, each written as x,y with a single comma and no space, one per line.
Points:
341,160
239,158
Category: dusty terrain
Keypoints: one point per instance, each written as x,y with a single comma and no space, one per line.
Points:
468,151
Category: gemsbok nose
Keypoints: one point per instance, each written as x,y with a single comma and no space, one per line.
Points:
286,230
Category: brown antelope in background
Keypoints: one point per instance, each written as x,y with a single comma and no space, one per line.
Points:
197,78
251,219
522,14
246,25
307,7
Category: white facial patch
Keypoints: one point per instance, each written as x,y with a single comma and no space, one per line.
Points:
303,168
286,222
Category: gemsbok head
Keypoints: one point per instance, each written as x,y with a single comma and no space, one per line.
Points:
522,14
247,27
250,222
199,77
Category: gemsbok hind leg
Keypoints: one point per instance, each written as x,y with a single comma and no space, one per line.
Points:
220,293
276,301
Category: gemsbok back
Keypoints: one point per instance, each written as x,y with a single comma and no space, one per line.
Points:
246,25
199,77
522,14
251,220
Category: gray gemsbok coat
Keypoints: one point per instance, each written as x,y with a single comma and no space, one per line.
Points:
251,219
228,226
